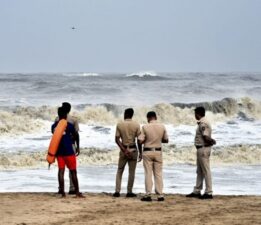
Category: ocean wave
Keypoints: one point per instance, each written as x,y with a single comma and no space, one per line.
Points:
145,76
236,154
11,123
229,106
25,119
167,113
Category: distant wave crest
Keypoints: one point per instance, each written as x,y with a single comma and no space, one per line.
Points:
145,76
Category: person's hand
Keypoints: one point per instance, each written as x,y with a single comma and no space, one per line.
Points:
77,151
126,153
140,157
214,142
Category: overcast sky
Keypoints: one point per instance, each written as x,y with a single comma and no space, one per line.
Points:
130,35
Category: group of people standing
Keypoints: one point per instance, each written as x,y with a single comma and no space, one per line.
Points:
136,145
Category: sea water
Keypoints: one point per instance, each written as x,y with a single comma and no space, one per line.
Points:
28,105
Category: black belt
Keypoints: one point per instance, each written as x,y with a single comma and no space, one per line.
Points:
202,146
130,146
152,149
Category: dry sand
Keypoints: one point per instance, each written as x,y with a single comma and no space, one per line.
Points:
96,209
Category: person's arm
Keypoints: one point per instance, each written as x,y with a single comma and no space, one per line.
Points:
205,129
138,133
121,146
119,142
77,141
209,140
77,137
165,138
142,136
53,128
140,151
76,125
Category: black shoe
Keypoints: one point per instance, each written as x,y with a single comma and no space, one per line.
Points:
72,193
161,199
116,195
193,195
206,196
146,199
131,195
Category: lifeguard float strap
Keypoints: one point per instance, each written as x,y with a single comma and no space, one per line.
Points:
50,154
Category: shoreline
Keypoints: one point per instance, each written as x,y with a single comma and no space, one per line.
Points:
178,179
102,208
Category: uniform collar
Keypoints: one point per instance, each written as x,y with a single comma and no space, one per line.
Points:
202,120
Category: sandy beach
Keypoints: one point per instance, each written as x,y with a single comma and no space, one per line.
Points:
49,208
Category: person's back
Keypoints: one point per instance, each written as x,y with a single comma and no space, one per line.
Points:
66,144
128,130
155,132
72,120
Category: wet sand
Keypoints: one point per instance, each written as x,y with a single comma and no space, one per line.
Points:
99,209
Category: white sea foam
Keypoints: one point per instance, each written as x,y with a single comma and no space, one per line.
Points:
221,155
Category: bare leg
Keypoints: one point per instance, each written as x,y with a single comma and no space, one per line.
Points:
75,183
61,181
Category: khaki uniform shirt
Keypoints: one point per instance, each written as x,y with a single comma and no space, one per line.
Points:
73,120
152,134
203,129
128,131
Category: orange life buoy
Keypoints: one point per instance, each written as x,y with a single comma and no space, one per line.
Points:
55,141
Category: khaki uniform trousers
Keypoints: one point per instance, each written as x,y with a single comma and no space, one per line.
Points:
203,170
132,162
152,162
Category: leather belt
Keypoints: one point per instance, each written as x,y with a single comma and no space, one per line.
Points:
152,149
130,146
202,146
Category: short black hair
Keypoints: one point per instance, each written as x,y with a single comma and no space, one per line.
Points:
67,106
200,111
128,113
151,114
62,113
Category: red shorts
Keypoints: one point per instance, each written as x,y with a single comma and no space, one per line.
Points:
69,161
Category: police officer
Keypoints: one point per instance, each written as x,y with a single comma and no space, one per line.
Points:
126,134
203,143
152,136
72,120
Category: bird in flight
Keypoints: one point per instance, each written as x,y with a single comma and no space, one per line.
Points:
73,28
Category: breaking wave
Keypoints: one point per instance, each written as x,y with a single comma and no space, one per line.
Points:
236,154
29,119
145,76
